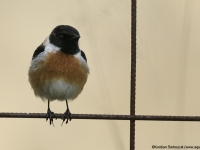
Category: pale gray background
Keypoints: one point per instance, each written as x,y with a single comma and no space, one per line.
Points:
168,70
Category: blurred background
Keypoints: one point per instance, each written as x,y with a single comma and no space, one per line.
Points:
168,70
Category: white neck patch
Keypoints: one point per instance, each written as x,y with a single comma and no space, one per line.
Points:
49,47
81,59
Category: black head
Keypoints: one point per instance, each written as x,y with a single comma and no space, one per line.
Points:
66,37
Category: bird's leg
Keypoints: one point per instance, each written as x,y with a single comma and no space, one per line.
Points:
66,115
50,114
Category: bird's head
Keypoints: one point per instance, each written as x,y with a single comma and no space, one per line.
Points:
66,37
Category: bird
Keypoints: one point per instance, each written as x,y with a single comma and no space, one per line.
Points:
59,69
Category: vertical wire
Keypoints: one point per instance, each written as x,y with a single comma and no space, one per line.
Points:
133,73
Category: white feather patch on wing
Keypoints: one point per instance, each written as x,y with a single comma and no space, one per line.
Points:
81,60
49,48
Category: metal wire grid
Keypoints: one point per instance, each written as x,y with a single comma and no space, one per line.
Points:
132,117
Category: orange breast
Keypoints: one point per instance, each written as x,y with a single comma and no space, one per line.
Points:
58,66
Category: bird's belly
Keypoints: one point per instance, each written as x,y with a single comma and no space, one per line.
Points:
52,86
60,90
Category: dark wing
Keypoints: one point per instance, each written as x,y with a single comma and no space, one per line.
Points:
83,55
39,50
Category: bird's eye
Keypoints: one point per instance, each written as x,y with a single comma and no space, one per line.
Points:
61,36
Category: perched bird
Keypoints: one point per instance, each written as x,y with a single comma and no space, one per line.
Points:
59,69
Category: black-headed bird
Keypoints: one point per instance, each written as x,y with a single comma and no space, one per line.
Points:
59,69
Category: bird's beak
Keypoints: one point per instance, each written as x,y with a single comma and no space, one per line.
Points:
75,37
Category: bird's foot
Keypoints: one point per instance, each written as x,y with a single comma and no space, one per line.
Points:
50,116
66,115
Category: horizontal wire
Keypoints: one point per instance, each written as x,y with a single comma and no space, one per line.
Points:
103,117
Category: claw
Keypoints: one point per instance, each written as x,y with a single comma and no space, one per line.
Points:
66,115
50,116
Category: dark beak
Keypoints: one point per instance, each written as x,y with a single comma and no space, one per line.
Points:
76,37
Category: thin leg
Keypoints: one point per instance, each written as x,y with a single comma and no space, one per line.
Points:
66,115
50,114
